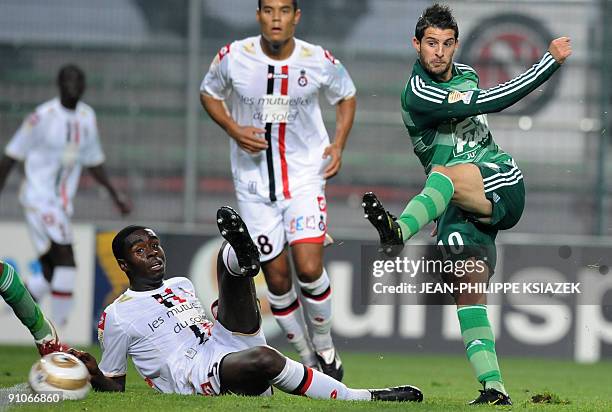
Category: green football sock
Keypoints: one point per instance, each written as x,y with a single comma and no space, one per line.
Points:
19,299
427,205
479,344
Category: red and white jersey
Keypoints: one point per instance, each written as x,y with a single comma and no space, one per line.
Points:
162,330
282,97
54,143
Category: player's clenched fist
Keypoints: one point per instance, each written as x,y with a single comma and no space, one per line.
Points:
560,49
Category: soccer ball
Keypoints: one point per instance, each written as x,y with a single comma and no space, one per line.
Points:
60,372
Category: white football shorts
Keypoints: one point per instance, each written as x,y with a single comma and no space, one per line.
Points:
205,375
301,219
48,223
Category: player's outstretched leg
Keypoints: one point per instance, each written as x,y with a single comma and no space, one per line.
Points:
234,230
389,231
248,372
19,299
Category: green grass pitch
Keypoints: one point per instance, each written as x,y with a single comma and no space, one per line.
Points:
447,383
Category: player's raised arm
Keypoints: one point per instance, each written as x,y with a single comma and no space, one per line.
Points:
427,102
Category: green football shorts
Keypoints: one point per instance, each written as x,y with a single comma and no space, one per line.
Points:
503,185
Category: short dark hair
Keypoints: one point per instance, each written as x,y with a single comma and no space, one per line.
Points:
119,240
70,68
295,4
438,16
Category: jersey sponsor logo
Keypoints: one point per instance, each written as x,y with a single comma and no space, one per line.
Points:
101,324
305,52
456,96
322,225
168,298
276,109
302,80
470,134
322,203
278,76
249,48
331,57
224,51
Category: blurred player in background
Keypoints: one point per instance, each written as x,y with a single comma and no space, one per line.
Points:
281,157
54,143
473,188
161,325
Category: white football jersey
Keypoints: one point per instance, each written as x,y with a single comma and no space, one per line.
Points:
54,143
281,97
162,330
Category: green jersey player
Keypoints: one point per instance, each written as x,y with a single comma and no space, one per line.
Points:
473,188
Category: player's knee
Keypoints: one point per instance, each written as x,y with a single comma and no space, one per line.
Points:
266,360
279,282
310,270
61,255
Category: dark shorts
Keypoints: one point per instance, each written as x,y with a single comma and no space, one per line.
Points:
503,184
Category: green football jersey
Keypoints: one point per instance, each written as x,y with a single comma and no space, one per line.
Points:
447,122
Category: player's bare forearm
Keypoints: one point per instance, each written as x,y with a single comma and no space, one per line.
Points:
103,383
98,380
249,138
99,174
345,116
217,111
6,164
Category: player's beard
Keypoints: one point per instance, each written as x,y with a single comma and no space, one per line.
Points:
438,72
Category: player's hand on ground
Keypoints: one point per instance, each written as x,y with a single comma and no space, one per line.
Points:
333,167
123,204
249,138
560,49
88,359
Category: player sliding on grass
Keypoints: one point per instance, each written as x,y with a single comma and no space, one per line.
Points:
161,325
473,188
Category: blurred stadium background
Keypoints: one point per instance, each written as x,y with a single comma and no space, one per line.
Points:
145,60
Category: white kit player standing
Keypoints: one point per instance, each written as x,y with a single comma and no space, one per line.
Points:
54,143
281,156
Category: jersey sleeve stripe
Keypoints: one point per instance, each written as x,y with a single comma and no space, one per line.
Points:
417,93
523,79
465,67
533,68
423,86
518,86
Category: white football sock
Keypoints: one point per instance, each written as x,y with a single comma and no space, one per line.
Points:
62,286
318,305
289,315
230,260
298,379
38,286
